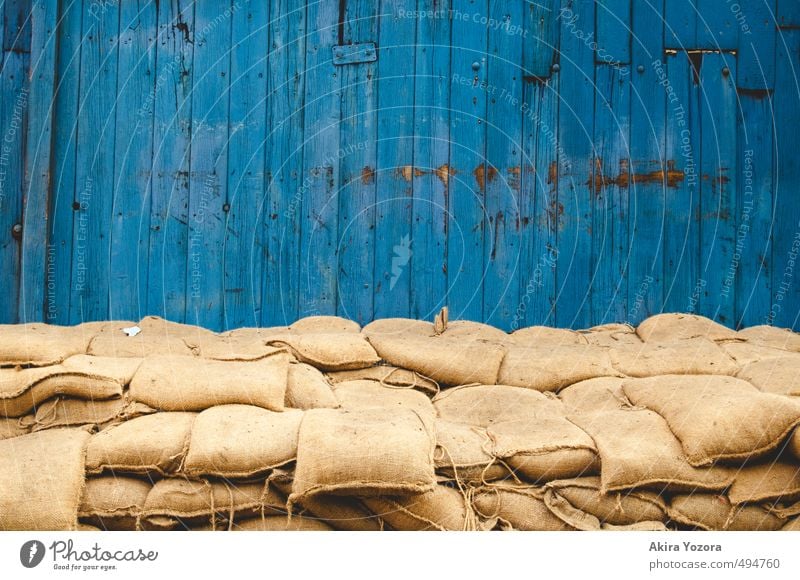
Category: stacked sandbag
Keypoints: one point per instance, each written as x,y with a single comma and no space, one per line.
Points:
680,423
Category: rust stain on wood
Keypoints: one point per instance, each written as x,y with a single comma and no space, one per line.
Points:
552,174
443,172
408,172
367,175
484,175
671,176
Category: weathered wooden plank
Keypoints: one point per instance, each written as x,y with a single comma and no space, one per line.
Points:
680,24
501,296
357,162
319,220
539,176
614,27
133,155
244,243
286,184
13,114
611,186
785,310
718,185
394,247
36,267
432,158
94,175
717,27
169,207
65,126
755,77
575,117
208,183
648,190
755,59
683,285
468,100
788,14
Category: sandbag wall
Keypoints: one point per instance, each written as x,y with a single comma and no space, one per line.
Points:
403,425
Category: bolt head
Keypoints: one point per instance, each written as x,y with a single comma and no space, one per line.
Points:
476,65
556,67
640,68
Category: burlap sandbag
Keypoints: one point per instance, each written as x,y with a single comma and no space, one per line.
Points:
781,338
328,351
443,509
516,508
156,336
14,427
80,376
396,327
176,383
340,512
618,509
218,502
539,336
792,526
154,443
41,479
770,481
549,368
468,330
715,513
675,327
637,449
449,361
113,503
544,448
745,353
366,452
611,335
462,453
273,523
241,441
69,412
484,405
39,344
794,443
229,347
307,388
388,375
600,394
717,417
325,324
780,376
692,356
354,395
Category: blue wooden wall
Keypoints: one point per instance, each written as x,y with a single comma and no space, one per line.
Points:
551,162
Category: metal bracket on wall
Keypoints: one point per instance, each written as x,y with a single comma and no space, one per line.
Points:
354,53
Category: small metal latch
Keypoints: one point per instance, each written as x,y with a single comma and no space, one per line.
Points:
354,53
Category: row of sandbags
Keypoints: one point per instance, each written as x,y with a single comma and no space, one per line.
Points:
315,413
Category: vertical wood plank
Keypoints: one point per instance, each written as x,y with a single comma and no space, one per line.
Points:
286,184
133,153
683,284
319,223
755,79
610,188
614,31
647,195
501,296
208,184
432,159
94,176
717,28
243,242
468,101
680,24
36,265
394,247
169,206
357,161
785,309
719,172
788,14
576,117
13,119
539,179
